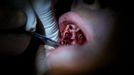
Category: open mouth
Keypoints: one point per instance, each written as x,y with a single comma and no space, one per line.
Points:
70,31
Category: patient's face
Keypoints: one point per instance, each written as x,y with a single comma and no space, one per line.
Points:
97,24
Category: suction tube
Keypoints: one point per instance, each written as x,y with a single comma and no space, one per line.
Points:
44,11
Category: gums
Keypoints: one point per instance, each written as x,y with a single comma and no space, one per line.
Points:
71,34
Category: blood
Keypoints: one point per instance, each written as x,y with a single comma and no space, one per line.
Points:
71,34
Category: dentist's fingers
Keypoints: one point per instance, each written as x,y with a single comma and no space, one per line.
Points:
10,19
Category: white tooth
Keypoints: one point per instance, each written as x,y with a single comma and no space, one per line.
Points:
48,47
73,42
73,34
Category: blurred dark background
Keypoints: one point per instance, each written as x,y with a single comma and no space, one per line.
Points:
24,64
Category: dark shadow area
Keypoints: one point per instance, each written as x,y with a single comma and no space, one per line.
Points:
62,6
24,63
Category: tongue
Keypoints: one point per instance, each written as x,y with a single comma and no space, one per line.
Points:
72,30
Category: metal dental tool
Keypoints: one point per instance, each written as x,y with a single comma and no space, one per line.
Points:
46,40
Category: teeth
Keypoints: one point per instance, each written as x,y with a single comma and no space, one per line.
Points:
75,35
48,47
72,30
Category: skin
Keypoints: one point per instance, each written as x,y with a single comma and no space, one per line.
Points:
98,25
